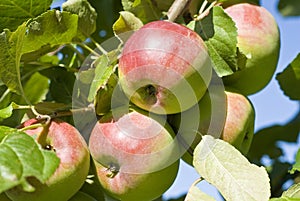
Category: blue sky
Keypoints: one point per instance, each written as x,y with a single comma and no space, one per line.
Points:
271,105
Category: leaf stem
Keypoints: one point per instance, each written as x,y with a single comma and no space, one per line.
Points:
203,13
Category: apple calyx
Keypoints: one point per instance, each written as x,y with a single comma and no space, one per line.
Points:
112,170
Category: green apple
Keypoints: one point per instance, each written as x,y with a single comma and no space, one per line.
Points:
135,155
71,149
160,64
81,196
226,115
259,40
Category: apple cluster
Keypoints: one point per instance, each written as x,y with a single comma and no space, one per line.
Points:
174,97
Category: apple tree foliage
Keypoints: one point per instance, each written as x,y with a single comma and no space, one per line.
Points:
43,48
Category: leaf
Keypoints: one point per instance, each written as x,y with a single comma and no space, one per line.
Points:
36,88
10,54
219,32
61,84
50,29
86,16
296,166
265,140
145,10
21,157
220,164
289,7
103,71
7,112
291,194
15,12
195,194
127,22
289,79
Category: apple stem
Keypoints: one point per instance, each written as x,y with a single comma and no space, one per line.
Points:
177,9
203,12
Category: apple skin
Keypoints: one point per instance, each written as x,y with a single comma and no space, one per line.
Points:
161,63
258,39
134,156
71,149
234,124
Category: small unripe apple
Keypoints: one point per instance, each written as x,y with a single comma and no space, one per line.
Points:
134,156
161,63
71,149
259,40
231,121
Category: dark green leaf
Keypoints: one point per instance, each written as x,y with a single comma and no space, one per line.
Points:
296,166
61,84
86,16
220,35
289,7
15,12
265,141
289,79
10,54
50,29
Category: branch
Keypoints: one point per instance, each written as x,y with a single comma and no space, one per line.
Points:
177,9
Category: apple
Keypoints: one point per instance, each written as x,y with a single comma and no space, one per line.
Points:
259,40
71,149
160,64
231,120
81,196
134,155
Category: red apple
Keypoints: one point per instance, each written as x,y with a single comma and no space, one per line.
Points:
161,63
229,116
73,153
258,39
134,155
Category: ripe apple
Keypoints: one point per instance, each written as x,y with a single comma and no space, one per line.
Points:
71,173
160,64
81,196
134,155
259,40
232,120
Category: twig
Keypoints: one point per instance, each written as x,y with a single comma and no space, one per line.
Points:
177,9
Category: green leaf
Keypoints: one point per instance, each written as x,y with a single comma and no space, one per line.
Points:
265,140
50,29
103,71
86,16
36,88
145,10
7,112
219,32
296,166
291,194
289,7
127,22
15,12
293,191
195,194
220,164
21,157
10,54
61,84
289,79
